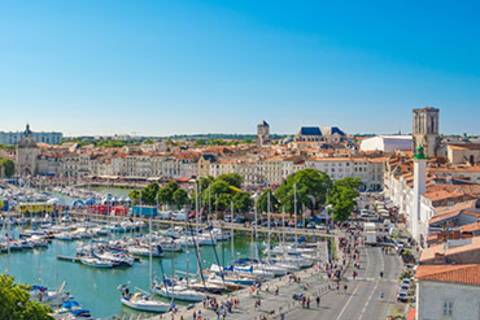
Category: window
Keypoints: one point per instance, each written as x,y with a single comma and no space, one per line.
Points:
447,308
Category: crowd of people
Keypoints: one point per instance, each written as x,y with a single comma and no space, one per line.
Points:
349,256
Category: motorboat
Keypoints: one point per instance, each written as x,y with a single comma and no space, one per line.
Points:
96,263
118,259
143,251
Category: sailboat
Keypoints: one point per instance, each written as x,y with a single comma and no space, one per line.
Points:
141,300
177,290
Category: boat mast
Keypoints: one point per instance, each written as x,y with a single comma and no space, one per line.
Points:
254,232
269,225
283,225
232,246
196,206
295,210
150,256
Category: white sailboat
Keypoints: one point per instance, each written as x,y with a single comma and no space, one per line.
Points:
140,300
177,290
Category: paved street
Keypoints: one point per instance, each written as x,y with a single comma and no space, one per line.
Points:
362,300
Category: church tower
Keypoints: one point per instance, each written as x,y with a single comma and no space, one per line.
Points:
425,130
27,154
263,134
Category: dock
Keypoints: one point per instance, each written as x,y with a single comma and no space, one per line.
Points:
156,222
69,259
77,259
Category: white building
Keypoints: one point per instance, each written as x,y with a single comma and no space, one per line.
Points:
387,144
369,170
13,138
448,292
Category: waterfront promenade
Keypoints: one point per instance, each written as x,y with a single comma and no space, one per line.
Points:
361,300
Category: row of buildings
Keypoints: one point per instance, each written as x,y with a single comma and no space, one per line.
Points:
13,138
437,191
260,165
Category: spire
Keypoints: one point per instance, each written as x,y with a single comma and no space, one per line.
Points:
28,132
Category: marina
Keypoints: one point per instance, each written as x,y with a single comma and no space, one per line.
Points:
76,252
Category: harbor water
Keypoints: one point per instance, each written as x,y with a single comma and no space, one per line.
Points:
96,289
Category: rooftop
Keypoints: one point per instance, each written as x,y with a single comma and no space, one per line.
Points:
310,131
467,274
443,249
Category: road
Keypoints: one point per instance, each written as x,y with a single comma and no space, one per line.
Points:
362,299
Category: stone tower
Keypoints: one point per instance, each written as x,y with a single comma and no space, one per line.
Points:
27,154
425,130
263,133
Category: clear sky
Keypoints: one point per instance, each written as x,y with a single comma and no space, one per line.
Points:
165,67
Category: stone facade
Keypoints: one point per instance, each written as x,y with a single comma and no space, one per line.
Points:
26,154
426,130
263,134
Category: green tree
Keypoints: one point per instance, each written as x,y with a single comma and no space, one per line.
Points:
15,303
223,202
342,198
242,202
233,179
8,167
180,198
311,190
262,201
165,194
349,182
135,196
204,183
149,194
218,187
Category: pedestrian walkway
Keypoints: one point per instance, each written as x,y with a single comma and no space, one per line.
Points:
264,303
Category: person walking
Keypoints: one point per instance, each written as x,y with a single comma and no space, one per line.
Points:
318,300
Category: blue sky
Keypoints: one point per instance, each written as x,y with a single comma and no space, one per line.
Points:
166,67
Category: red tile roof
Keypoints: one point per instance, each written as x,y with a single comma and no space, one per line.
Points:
411,314
468,274
429,254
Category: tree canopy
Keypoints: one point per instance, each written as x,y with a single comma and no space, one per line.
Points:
180,198
311,190
262,201
342,198
8,167
15,303
233,179
242,201
149,194
135,196
165,194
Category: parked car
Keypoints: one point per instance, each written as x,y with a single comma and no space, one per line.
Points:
311,225
402,296
405,286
